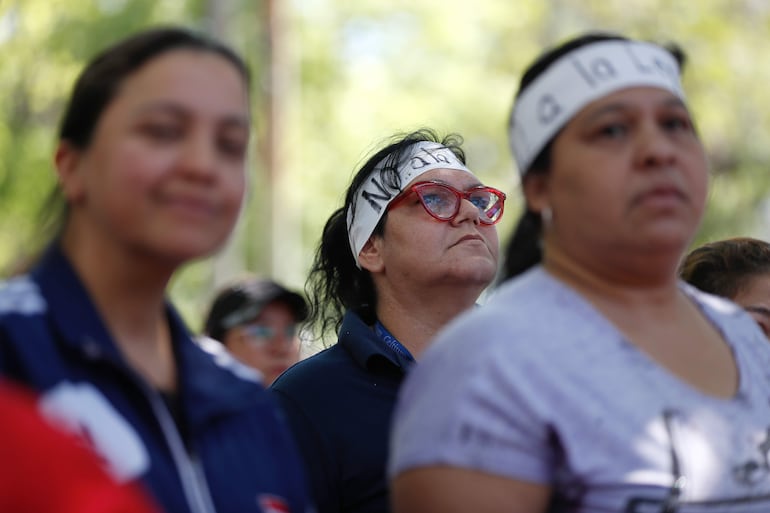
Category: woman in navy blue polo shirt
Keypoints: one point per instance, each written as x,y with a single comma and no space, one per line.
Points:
413,245
151,167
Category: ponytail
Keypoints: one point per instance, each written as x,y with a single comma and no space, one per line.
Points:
523,250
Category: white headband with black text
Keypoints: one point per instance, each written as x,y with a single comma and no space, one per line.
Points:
373,197
578,78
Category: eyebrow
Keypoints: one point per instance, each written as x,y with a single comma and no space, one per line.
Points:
175,109
468,187
761,310
622,106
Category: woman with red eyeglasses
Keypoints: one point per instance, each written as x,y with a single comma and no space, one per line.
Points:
413,246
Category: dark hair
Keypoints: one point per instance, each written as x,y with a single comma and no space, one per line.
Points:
523,250
100,81
726,267
335,283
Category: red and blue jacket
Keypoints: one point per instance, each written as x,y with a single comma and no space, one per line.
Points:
219,445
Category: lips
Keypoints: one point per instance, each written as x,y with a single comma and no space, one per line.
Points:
469,238
191,205
662,194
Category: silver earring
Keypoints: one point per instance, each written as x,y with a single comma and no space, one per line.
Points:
546,215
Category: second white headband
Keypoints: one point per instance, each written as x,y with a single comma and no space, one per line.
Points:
578,78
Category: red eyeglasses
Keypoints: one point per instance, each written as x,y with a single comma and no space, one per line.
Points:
443,201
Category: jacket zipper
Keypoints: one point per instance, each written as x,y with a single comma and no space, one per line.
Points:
189,468
196,489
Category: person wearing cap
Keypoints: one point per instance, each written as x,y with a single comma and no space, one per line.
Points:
593,379
256,319
413,246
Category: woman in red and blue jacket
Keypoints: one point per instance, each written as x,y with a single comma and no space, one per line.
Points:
151,169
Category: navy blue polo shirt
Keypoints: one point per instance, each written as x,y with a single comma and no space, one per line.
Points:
339,403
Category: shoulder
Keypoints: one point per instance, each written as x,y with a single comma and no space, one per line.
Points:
730,318
534,338
509,343
21,296
526,317
222,358
315,374
738,328
334,366
720,306
26,338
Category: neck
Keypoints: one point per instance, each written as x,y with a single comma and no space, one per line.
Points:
416,320
122,285
623,281
130,298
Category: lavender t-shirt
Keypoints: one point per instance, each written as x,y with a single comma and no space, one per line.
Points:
538,386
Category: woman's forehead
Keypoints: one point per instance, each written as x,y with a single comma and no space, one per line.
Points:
453,177
186,75
629,99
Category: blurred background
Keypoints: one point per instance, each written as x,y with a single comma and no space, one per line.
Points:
334,78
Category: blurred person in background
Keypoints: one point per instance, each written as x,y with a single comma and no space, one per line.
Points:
257,320
738,269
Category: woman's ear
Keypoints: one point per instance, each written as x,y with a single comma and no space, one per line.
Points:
535,188
370,257
67,160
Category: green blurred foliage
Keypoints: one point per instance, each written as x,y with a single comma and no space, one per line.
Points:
351,74
456,65
43,48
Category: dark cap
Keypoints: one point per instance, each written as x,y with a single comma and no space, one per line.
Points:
242,301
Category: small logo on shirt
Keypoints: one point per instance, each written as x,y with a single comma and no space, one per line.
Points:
272,504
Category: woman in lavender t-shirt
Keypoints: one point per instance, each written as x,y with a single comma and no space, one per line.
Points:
594,380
